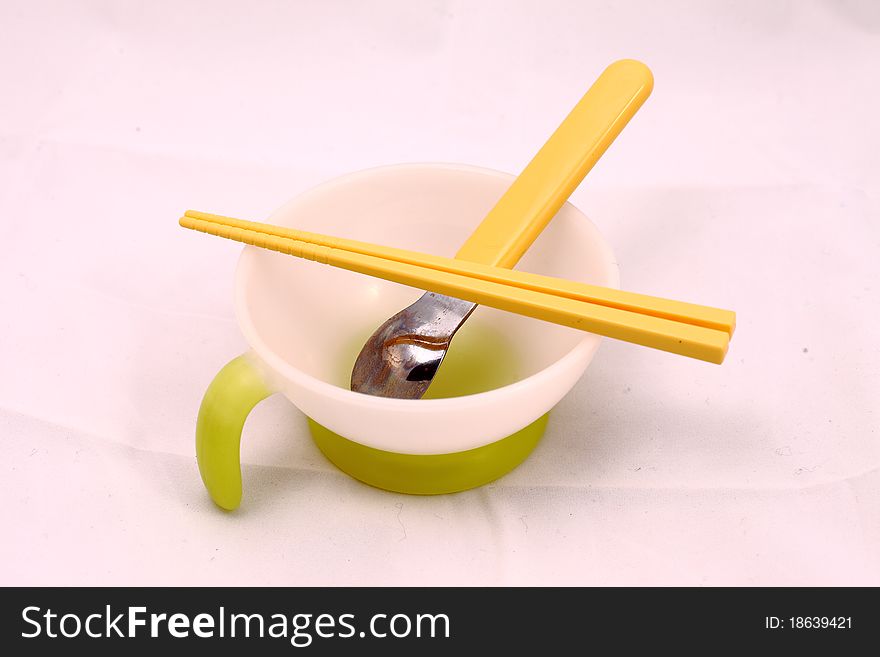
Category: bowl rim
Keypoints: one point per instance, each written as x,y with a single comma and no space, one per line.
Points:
583,350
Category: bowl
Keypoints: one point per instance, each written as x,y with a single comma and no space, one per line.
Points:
306,322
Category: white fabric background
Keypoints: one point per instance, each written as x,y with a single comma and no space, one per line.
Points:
749,180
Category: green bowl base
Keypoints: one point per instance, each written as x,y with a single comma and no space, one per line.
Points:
428,474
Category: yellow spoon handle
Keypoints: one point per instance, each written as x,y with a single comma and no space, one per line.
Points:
559,167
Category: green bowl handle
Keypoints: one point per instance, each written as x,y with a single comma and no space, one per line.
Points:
236,389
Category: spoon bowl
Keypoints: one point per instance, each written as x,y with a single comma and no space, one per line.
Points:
401,358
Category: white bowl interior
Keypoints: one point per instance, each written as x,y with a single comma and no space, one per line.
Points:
316,318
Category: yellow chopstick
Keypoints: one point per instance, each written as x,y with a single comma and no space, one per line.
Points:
659,333
680,311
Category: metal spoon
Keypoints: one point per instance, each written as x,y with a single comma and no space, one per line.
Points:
401,358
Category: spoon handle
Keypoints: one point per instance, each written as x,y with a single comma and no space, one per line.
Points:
557,169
